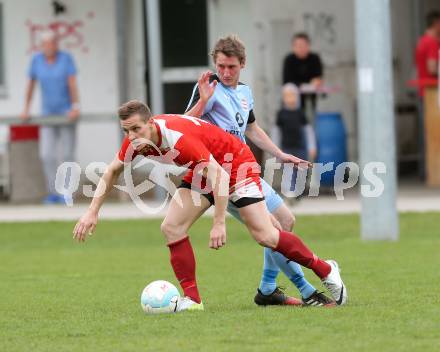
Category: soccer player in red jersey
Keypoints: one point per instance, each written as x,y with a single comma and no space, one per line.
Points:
231,172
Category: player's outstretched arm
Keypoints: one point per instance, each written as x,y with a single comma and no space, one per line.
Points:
219,181
87,223
257,135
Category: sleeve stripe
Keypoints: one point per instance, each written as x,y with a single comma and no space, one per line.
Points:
194,97
251,118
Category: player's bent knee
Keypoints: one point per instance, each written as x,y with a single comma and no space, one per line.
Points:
172,232
265,239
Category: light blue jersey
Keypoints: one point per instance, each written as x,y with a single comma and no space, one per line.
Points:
228,108
232,110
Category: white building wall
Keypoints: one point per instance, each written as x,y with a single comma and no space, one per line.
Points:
136,86
89,28
233,17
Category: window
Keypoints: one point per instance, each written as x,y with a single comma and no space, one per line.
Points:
176,96
184,33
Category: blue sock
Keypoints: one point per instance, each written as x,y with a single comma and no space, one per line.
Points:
268,282
294,272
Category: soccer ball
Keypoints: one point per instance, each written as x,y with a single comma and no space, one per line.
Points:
160,297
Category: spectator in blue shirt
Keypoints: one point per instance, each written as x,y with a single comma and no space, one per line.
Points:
55,72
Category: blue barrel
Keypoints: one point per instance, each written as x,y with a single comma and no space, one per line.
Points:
331,137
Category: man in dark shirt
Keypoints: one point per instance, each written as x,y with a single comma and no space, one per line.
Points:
304,69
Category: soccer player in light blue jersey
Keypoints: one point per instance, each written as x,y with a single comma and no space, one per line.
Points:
224,101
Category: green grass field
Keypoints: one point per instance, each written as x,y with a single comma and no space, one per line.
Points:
57,295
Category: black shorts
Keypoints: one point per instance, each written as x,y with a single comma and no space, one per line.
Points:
240,203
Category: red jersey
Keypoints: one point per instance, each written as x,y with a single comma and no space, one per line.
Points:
427,49
189,141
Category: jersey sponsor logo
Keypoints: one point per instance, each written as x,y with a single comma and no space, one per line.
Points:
237,133
239,119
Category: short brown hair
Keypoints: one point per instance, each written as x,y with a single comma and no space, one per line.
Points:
301,35
133,107
230,45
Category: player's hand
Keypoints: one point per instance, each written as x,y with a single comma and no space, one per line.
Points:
217,237
316,82
299,163
276,223
73,115
206,89
25,117
85,226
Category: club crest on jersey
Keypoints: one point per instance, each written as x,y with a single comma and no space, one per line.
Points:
244,104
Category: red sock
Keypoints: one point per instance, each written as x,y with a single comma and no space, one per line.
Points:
292,247
184,266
